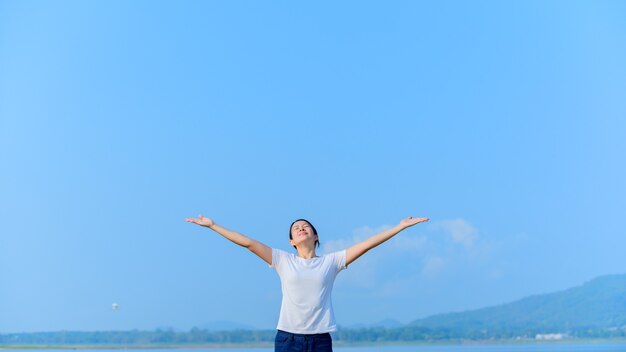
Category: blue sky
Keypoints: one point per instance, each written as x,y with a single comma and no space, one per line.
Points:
503,122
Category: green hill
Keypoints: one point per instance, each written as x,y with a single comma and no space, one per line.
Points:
599,304
596,309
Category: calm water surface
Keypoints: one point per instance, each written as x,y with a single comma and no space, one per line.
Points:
493,348
591,347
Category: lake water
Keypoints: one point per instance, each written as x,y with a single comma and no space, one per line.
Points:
493,348
590,347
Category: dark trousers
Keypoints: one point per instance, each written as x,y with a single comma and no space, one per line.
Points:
288,342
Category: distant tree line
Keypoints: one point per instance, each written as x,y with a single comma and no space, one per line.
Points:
596,309
198,336
137,337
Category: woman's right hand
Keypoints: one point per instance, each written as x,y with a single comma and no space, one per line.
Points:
202,221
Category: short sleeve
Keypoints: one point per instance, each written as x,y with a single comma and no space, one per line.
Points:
277,257
339,260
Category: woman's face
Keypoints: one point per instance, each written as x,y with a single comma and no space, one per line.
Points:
301,232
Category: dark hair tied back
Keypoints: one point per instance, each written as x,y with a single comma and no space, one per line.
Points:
317,242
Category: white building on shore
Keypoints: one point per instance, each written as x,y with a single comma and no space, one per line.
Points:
558,336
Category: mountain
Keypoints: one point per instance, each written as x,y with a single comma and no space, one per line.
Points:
597,304
597,309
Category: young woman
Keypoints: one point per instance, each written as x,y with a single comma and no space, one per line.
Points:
306,312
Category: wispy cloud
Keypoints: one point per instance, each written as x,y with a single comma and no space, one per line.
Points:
424,261
427,251
358,235
422,253
366,273
459,231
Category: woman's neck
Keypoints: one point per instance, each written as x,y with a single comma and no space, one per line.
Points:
306,253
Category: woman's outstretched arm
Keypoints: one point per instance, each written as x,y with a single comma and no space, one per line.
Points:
264,252
361,248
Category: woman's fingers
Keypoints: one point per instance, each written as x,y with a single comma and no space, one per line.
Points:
410,221
194,220
201,220
418,220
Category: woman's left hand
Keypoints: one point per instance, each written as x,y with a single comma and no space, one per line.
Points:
410,221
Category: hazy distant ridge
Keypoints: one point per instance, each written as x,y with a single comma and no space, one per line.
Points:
599,303
595,309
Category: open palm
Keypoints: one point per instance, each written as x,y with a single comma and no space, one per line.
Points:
201,220
410,221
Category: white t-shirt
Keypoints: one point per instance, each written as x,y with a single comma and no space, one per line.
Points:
307,285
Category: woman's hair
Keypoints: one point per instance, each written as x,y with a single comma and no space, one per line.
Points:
317,242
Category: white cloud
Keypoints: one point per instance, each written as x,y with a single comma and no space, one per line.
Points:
372,269
409,243
459,230
358,235
422,259
421,252
366,231
401,242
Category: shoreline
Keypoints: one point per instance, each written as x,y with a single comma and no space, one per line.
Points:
335,344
